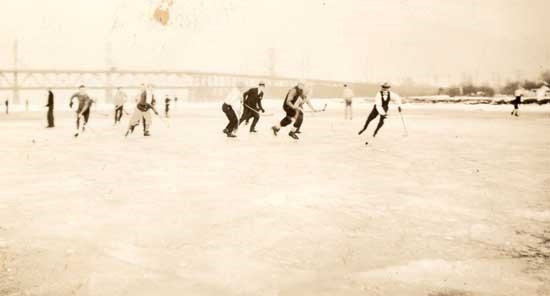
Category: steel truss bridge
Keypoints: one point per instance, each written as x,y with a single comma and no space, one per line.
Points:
199,85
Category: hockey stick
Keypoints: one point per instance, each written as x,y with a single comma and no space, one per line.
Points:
322,110
261,114
404,125
162,120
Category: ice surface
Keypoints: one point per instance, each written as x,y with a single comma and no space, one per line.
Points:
455,208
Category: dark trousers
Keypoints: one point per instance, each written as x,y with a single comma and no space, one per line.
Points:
118,113
50,117
247,114
290,115
373,114
231,116
86,115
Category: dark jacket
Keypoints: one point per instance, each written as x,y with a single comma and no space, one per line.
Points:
253,99
50,100
143,105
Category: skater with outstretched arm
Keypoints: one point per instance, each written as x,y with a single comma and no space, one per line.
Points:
381,106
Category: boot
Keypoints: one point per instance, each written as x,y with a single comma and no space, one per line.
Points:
275,130
293,135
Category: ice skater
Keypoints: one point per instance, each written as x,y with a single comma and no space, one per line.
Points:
50,105
141,112
347,94
120,100
83,110
252,99
166,106
292,106
381,106
517,101
232,107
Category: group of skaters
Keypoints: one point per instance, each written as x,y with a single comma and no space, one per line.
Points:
240,106
245,104
145,104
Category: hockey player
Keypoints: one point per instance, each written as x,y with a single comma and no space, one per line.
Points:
83,110
120,99
381,106
253,105
232,107
292,106
144,104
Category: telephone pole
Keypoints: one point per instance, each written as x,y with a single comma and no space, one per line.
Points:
15,73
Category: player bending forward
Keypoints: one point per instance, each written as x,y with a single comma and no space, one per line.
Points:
144,104
232,108
83,110
381,106
295,99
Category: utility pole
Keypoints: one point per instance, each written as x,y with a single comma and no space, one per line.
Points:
108,77
15,73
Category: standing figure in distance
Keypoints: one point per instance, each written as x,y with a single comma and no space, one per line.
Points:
517,101
50,109
347,94
166,106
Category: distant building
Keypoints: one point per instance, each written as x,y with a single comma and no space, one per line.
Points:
543,91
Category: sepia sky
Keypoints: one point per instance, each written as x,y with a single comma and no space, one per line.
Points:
441,41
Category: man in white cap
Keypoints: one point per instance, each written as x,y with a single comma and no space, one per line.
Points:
381,106
292,106
232,107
